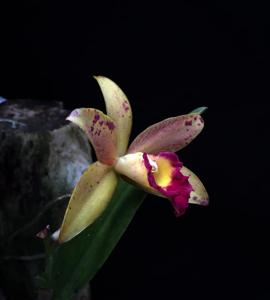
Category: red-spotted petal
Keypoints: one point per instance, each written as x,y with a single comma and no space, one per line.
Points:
100,130
119,109
171,134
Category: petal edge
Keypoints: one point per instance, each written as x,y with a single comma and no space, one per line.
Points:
199,194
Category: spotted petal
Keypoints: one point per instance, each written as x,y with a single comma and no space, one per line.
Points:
172,134
89,199
118,108
199,194
100,130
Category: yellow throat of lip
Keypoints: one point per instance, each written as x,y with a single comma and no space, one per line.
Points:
161,169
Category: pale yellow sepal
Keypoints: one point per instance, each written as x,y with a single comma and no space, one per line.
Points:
119,109
89,199
199,194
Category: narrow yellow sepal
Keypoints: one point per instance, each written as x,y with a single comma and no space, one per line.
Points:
88,200
119,109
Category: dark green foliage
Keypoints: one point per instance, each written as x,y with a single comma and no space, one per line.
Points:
71,265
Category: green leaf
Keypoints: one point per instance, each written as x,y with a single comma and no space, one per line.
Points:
199,110
72,264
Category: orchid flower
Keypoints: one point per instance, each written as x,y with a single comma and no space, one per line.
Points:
150,161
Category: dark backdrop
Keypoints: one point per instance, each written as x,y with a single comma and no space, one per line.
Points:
169,59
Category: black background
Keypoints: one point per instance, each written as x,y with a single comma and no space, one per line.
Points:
169,59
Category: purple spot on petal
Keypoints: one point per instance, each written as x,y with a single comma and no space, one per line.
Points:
188,123
110,125
101,123
96,118
125,105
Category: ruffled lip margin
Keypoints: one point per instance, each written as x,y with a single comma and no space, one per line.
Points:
179,189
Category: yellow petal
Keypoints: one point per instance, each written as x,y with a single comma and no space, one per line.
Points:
118,108
199,194
100,130
89,199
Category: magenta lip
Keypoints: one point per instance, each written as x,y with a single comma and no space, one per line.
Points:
179,189
150,176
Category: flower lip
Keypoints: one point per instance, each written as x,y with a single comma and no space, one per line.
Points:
168,179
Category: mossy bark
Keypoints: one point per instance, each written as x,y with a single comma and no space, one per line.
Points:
42,157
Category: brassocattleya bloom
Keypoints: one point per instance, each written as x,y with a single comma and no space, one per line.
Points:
149,162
